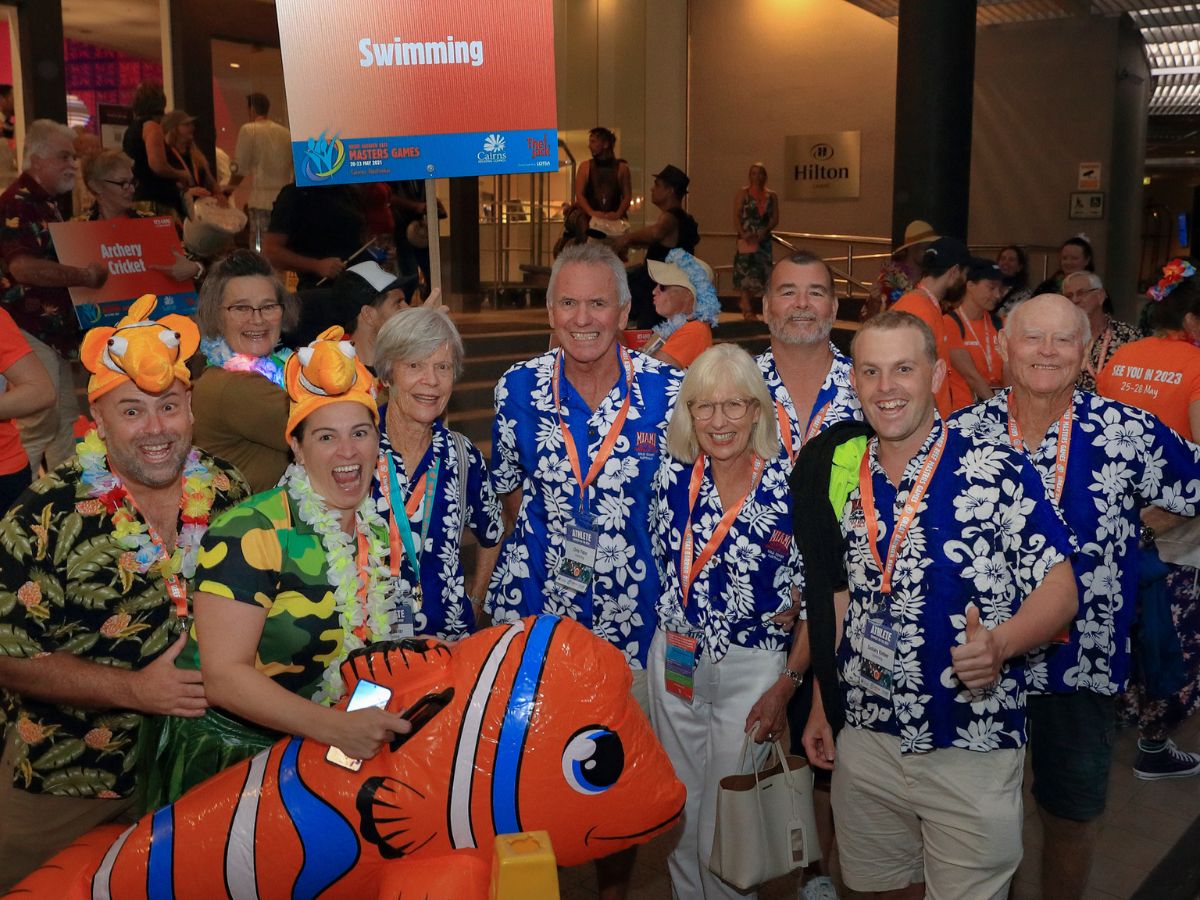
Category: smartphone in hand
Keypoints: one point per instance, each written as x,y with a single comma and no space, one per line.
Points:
366,695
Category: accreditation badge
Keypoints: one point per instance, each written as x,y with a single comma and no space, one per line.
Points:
578,563
400,616
680,668
878,659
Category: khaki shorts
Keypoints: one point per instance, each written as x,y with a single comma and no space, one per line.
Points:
33,827
951,818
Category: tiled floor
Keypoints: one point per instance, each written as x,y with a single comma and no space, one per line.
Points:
1143,821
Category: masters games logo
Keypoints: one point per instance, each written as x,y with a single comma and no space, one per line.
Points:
493,149
322,157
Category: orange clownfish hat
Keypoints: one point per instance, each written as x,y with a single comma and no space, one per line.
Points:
151,354
326,371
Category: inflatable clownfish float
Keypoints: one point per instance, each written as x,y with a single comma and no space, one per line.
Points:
540,733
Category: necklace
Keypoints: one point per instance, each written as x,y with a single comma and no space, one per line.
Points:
146,551
359,579
218,353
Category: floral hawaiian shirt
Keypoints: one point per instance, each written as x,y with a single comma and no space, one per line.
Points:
985,534
528,453
47,313
69,584
749,578
444,609
1121,459
836,401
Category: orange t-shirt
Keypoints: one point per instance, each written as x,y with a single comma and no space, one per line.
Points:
13,346
927,309
1158,374
688,342
981,339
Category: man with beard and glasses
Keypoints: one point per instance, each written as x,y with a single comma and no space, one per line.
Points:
33,283
94,563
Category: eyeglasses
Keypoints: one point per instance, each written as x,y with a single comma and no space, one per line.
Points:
733,409
1080,293
245,311
126,184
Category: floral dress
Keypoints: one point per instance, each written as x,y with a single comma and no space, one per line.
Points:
751,266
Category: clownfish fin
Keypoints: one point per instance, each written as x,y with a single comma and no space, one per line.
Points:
395,817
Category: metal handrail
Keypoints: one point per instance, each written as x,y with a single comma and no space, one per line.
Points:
837,271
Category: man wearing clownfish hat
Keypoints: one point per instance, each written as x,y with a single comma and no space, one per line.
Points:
94,563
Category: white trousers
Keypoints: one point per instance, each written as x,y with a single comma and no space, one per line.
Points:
703,741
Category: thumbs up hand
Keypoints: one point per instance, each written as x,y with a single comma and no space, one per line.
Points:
978,659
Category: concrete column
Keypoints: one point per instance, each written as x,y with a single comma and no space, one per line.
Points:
935,75
42,63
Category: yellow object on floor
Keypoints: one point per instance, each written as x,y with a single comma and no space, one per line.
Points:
523,867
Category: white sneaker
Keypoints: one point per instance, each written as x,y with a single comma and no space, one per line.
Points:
819,888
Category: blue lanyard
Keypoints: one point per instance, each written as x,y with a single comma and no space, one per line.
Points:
400,514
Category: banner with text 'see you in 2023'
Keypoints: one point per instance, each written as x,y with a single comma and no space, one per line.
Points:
379,90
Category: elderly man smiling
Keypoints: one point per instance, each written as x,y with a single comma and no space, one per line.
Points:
574,453
1101,462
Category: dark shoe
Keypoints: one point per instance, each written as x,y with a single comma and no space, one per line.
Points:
1169,762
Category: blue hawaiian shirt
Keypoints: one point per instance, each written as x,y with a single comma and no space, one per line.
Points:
445,610
749,578
984,534
1121,459
528,454
836,397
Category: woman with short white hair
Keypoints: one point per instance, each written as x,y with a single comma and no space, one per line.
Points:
431,482
721,526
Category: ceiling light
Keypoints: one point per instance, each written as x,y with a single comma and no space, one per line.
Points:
235,65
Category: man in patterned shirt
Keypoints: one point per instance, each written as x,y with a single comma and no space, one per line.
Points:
94,559
33,284
1101,462
957,563
574,453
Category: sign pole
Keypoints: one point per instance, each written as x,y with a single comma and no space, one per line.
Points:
435,242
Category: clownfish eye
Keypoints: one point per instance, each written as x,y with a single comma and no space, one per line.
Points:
118,345
170,338
593,760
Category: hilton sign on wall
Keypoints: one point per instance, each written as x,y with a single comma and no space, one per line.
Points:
822,166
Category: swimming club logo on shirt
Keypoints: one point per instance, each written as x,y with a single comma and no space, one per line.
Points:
647,444
493,149
323,157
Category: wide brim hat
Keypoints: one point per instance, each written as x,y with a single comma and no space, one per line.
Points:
325,372
153,354
674,177
918,231
690,272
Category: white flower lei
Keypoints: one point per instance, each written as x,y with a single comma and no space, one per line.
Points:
341,553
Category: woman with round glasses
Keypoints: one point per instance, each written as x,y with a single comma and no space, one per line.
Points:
239,401
109,177
722,662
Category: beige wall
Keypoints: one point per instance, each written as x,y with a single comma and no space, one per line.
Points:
1047,95
763,69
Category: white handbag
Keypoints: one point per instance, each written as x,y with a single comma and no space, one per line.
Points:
765,822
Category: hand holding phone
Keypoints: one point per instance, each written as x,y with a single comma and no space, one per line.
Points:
367,696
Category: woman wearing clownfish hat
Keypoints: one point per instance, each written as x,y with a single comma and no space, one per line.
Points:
288,583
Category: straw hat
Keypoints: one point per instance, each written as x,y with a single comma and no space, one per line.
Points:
918,231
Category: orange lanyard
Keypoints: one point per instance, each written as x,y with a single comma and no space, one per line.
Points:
415,496
985,345
610,439
1064,443
361,631
1095,370
175,585
937,304
689,571
907,516
785,427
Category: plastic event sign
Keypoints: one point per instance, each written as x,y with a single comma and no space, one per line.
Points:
380,90
128,247
540,734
